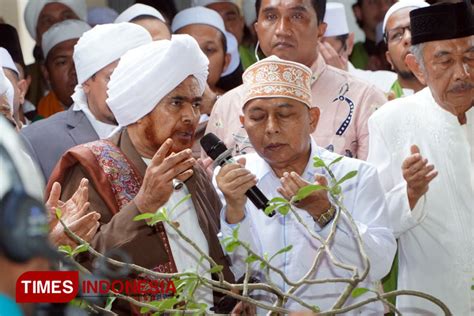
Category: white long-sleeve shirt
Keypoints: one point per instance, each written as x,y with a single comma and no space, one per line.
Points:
363,196
436,238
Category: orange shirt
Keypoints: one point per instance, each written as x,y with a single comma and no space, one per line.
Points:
48,105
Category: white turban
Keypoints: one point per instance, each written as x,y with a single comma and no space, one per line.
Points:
101,15
137,10
148,73
61,32
6,88
204,3
335,18
104,44
6,60
202,15
402,4
34,7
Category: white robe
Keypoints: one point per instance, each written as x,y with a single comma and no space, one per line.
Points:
363,196
436,239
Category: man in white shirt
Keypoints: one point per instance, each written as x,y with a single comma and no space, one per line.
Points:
279,117
423,148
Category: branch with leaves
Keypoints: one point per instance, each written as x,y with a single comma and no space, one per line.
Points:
189,281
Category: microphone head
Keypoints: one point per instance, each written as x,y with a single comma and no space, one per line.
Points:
212,145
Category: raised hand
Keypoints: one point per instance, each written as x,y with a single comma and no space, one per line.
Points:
164,167
234,180
74,213
418,174
316,203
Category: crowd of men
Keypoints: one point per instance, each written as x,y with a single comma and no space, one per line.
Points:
119,108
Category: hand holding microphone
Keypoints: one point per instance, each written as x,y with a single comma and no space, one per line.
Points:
235,182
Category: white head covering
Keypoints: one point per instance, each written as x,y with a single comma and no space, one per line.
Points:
137,10
104,44
146,74
6,60
6,88
61,32
203,3
34,7
335,18
250,15
402,4
202,15
101,15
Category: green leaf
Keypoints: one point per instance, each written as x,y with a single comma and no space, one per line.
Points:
184,199
251,259
231,246
167,303
59,213
304,192
278,199
159,217
283,250
144,310
270,208
318,162
65,249
349,175
283,210
335,161
472,287
235,233
110,301
143,216
80,248
359,291
215,269
336,190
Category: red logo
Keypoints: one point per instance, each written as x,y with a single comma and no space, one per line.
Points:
47,286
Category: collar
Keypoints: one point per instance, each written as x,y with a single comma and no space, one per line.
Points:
318,67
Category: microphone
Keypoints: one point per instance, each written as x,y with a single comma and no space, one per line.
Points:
218,152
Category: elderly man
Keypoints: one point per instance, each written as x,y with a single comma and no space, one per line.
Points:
149,18
132,172
279,117
397,35
345,102
95,57
39,16
58,68
430,203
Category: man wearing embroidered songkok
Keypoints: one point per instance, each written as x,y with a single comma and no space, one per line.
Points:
95,56
132,172
58,68
345,102
397,36
423,147
148,17
39,16
279,117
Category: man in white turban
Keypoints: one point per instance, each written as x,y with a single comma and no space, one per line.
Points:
13,91
155,94
95,56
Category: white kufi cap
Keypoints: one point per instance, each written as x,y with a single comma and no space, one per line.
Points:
61,32
335,18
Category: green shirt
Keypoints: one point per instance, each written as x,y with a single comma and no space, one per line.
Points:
397,89
247,56
359,57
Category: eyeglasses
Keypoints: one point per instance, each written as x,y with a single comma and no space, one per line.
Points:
395,35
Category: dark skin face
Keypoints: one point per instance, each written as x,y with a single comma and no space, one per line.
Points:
449,72
371,12
157,29
234,22
289,29
399,41
95,89
176,116
210,42
51,14
60,71
279,130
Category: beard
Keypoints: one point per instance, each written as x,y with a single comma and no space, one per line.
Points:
404,74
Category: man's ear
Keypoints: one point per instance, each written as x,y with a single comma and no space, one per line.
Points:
314,118
44,72
227,59
389,59
322,29
23,87
86,86
415,67
242,119
350,43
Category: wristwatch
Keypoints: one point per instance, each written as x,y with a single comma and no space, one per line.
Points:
326,217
